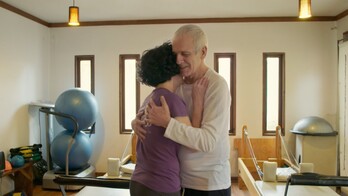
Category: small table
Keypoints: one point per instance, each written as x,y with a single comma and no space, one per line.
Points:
23,178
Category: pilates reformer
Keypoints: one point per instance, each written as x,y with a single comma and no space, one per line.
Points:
307,183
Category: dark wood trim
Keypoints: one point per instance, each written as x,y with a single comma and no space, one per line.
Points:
264,93
232,82
282,94
177,20
77,71
281,98
233,92
341,15
198,20
121,93
122,58
78,59
23,13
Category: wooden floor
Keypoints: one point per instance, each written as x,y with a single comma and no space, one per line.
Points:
38,191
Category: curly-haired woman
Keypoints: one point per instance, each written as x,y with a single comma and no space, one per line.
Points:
157,170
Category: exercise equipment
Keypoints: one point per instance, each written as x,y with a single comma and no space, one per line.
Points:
76,110
122,181
78,103
29,153
70,119
313,136
313,125
80,151
17,161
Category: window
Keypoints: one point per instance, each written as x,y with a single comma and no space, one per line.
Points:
84,78
84,72
273,92
129,91
225,65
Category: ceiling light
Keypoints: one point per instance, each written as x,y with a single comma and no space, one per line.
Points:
74,15
305,9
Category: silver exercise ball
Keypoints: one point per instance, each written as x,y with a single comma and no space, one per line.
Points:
312,125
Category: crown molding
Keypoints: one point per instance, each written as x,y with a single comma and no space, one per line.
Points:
174,21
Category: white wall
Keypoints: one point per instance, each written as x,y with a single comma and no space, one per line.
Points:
310,55
24,68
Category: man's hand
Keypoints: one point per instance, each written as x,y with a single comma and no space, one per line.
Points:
137,125
158,115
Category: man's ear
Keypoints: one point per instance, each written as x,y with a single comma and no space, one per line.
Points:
204,52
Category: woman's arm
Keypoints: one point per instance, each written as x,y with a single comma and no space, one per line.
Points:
198,93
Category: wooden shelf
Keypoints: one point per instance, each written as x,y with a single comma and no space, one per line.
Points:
23,178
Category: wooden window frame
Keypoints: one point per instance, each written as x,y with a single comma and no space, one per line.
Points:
122,59
78,60
232,81
281,98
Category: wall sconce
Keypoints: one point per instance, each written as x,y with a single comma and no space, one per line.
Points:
74,15
305,9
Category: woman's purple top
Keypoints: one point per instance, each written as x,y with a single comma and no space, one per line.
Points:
157,165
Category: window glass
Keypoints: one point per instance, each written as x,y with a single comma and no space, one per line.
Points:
85,74
130,92
272,92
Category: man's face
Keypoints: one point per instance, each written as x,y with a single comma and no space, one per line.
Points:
186,57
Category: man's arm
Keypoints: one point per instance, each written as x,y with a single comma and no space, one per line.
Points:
214,123
215,120
137,125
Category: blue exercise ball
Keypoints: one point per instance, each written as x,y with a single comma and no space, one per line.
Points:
80,152
80,104
17,161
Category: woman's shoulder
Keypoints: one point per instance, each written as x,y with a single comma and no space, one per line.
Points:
168,95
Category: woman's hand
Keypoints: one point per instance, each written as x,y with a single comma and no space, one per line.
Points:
198,92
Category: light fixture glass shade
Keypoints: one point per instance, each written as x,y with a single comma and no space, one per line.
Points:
74,16
305,9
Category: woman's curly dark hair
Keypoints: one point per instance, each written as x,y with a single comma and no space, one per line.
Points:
157,65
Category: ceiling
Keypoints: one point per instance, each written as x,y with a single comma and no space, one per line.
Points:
56,11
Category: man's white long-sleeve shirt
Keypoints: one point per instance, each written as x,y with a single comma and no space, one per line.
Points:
204,156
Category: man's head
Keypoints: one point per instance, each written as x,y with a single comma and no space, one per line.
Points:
190,47
157,65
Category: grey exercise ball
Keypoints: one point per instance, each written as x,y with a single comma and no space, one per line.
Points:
312,125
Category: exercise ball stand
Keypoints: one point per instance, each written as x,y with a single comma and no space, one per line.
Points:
50,175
